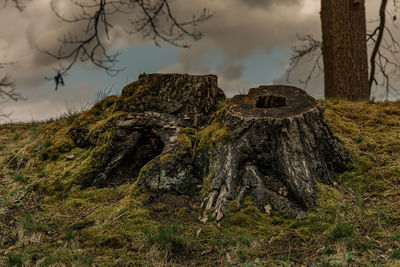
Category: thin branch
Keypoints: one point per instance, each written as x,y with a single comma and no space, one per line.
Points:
8,90
381,29
17,3
154,19
311,49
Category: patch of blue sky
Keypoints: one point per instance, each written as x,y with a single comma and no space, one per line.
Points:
135,61
260,67
264,68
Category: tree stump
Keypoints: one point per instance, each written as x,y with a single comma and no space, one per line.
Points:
169,134
280,147
143,125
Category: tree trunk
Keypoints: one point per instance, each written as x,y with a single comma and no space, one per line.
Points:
344,49
169,137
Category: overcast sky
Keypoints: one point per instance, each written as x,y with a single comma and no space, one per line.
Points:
247,43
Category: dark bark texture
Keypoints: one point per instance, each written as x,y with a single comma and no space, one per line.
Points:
272,144
344,49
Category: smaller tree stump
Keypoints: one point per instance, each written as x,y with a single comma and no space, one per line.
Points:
280,147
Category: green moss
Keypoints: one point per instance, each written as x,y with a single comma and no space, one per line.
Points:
190,132
246,215
111,233
220,112
59,143
232,207
130,95
104,125
143,170
133,89
187,138
216,132
328,196
139,192
184,141
206,186
104,105
167,157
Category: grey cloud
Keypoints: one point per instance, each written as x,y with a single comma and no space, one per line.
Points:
43,103
315,87
238,28
231,71
268,3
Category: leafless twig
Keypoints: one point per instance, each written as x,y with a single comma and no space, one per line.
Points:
152,18
380,29
311,49
17,3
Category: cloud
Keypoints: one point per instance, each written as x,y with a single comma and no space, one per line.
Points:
268,3
43,103
241,28
231,71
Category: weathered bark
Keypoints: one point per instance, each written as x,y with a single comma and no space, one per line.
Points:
344,49
192,98
272,144
277,152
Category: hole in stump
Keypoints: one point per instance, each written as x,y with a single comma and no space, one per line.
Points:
148,147
270,101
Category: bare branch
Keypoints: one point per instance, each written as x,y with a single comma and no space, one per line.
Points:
155,13
310,49
154,19
17,3
381,29
8,90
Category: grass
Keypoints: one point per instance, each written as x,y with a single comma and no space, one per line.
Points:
167,236
342,230
49,220
19,178
14,260
30,225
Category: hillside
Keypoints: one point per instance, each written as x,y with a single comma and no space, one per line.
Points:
48,219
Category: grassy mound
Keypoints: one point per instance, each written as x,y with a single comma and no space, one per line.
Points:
47,219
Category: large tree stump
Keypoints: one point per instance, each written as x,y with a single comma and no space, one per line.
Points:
280,147
154,109
168,133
